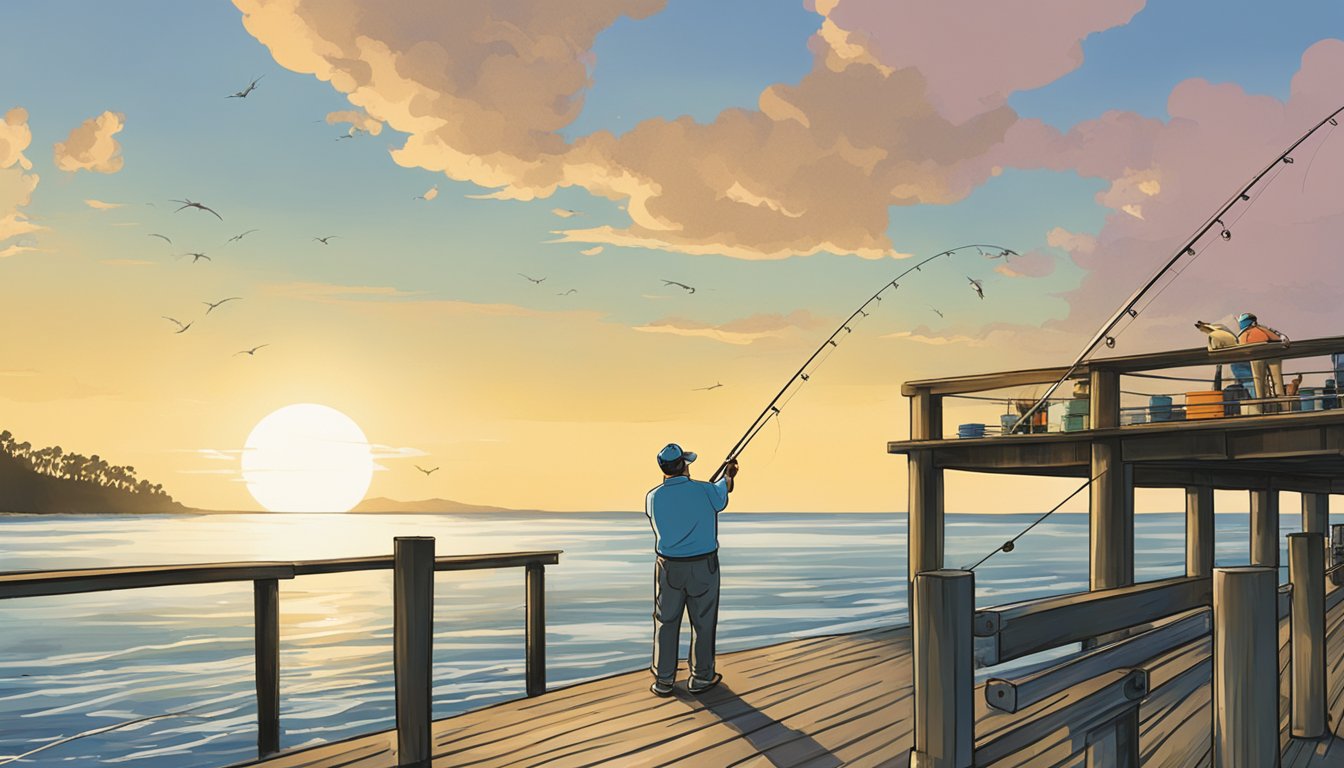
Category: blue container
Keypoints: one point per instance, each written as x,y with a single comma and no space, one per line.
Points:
970,430
1311,398
1330,394
1075,422
1233,393
1079,406
1159,408
1007,421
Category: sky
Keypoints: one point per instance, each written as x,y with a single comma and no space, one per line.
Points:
784,159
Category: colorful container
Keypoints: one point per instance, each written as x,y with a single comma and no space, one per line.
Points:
1075,422
1007,421
1232,395
1204,404
1159,408
1311,398
970,430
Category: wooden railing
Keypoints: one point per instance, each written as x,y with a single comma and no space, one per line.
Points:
413,564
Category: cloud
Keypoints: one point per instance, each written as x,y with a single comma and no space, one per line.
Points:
388,296
1029,264
596,249
746,330
16,184
16,249
358,121
91,146
331,292
99,205
814,167
565,213
925,336
430,193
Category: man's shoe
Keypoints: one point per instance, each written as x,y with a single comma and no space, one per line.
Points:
696,685
660,688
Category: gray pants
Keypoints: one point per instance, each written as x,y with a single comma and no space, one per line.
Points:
685,586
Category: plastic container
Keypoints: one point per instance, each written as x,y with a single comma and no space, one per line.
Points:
1077,407
972,430
1159,408
1311,398
1329,395
1204,404
1129,418
1007,421
1075,422
1232,395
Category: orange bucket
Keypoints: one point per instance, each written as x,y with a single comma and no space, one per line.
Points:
1204,405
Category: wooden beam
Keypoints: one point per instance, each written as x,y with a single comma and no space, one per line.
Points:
925,527
1306,569
944,679
535,630
443,563
1023,628
70,582
1017,694
1199,531
1104,395
1316,513
1245,667
926,416
1111,558
413,640
266,648
1265,528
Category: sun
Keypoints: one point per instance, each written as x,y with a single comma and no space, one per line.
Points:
307,458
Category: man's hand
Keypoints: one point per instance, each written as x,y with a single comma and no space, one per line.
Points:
730,469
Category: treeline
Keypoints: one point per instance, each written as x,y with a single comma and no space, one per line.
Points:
55,462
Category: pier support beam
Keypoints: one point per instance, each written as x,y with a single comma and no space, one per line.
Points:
1265,528
925,542
1337,552
412,643
944,677
1306,570
1245,668
535,630
1316,513
1112,525
1199,531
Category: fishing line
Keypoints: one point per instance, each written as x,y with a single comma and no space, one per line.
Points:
832,342
1011,544
1314,152
1128,308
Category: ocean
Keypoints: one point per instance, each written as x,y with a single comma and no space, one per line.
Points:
163,676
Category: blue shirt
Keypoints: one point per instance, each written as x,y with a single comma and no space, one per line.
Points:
685,515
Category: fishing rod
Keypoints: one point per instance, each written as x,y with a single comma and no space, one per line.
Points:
1127,309
805,371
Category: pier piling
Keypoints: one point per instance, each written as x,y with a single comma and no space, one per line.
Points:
1245,668
1265,527
266,647
944,678
413,637
536,628
1336,552
1199,531
1306,569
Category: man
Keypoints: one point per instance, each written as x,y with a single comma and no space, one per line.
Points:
684,514
1267,374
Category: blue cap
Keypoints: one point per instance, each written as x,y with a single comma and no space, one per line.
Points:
673,453
1245,320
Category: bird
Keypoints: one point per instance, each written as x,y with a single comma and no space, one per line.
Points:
250,352
252,86
195,257
706,389
190,204
161,237
538,281
566,293
427,472
241,236
323,240
345,136
936,312
688,288
212,305
180,327
975,286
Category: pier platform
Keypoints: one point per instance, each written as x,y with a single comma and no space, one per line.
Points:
818,702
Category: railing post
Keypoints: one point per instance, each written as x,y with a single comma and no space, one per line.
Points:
1245,667
1337,552
412,642
1199,531
266,648
1265,527
926,416
1306,569
944,678
1316,513
536,629
1116,744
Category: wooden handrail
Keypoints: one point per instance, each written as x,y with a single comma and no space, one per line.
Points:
1016,630
1180,358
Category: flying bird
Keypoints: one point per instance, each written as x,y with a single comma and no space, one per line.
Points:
251,352
979,289
706,389
212,305
688,288
195,257
427,472
165,238
936,312
240,237
190,204
345,136
180,327
323,240
252,86
566,293
533,279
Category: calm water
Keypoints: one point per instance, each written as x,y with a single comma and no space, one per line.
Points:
87,664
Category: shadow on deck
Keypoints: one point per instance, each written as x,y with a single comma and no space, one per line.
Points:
818,702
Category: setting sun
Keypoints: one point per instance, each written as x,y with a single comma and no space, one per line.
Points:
307,458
